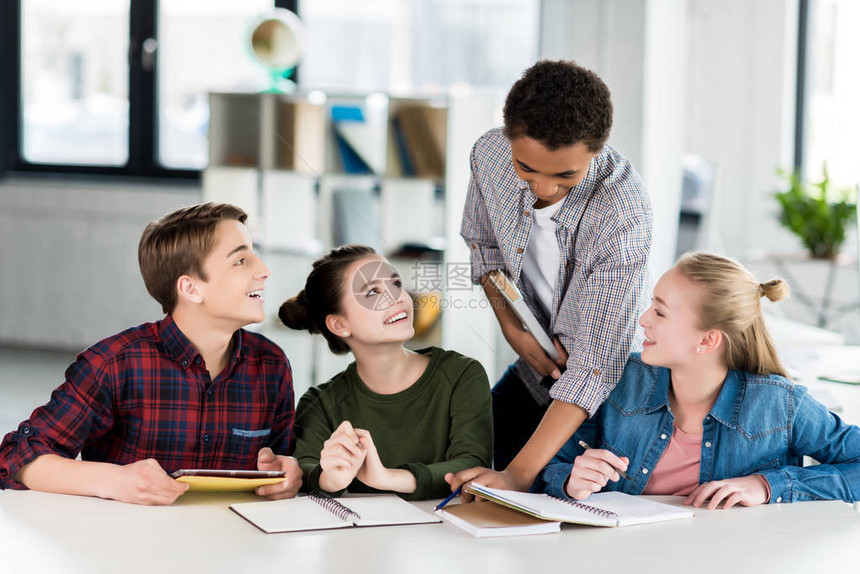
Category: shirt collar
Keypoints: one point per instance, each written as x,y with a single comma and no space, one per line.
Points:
660,395
728,402
725,408
179,348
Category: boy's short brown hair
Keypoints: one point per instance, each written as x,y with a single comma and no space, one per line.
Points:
177,244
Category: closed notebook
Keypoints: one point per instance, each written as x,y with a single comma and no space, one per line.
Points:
315,512
485,519
516,302
601,509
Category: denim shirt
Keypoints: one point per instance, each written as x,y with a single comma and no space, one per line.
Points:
759,424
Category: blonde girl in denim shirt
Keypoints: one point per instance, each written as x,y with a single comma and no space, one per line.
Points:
706,410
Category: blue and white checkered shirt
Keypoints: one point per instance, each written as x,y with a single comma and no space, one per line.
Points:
604,235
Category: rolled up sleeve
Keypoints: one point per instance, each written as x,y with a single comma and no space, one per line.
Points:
80,409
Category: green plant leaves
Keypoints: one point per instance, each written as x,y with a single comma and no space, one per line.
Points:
817,213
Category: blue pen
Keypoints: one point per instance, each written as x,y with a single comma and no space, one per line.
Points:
449,499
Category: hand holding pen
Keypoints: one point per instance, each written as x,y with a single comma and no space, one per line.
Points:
592,470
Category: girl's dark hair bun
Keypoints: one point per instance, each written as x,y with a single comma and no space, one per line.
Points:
294,313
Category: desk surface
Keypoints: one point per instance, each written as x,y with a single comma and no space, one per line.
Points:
66,534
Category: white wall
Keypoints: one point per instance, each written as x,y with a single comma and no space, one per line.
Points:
69,252
638,48
740,113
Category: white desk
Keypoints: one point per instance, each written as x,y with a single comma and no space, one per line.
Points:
49,533
807,362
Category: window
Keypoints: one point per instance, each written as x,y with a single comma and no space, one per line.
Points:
202,48
120,86
832,117
407,46
74,82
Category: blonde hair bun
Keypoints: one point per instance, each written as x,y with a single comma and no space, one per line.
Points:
775,290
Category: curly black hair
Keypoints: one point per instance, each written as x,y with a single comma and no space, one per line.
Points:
559,104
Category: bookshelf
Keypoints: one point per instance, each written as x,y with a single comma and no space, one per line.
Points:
318,170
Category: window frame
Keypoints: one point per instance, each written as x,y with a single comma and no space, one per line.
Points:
802,86
143,104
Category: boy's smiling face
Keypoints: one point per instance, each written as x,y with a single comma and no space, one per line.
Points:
550,173
233,289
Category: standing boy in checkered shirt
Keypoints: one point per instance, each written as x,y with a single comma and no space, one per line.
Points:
568,219
193,390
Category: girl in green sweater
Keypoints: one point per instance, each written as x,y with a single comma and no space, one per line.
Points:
395,420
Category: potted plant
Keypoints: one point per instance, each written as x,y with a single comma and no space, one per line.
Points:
817,213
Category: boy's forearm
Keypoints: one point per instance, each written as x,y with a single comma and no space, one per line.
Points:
54,473
559,423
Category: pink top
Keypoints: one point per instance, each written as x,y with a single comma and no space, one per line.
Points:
677,472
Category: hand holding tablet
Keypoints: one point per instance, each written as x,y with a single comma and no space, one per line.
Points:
212,480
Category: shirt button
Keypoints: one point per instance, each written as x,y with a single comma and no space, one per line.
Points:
197,361
779,499
519,250
184,363
206,438
596,372
526,213
663,436
644,471
26,430
707,419
473,246
708,444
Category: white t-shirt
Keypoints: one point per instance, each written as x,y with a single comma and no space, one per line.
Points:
541,259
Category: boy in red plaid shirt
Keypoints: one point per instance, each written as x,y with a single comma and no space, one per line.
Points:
193,390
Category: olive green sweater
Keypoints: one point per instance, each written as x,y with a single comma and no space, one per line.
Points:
442,423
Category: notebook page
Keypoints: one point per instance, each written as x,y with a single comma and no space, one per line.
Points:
545,506
635,509
386,510
291,515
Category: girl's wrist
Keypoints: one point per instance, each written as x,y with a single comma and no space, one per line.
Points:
396,480
329,485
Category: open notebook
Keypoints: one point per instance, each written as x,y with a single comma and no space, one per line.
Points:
601,509
316,512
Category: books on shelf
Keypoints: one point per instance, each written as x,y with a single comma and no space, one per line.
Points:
320,512
301,136
601,509
419,133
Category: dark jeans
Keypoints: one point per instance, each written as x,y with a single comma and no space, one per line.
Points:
515,417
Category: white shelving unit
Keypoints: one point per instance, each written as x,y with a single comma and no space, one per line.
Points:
281,158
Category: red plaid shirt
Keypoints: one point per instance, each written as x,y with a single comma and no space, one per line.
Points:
145,393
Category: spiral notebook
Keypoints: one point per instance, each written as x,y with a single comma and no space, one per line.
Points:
321,512
601,509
